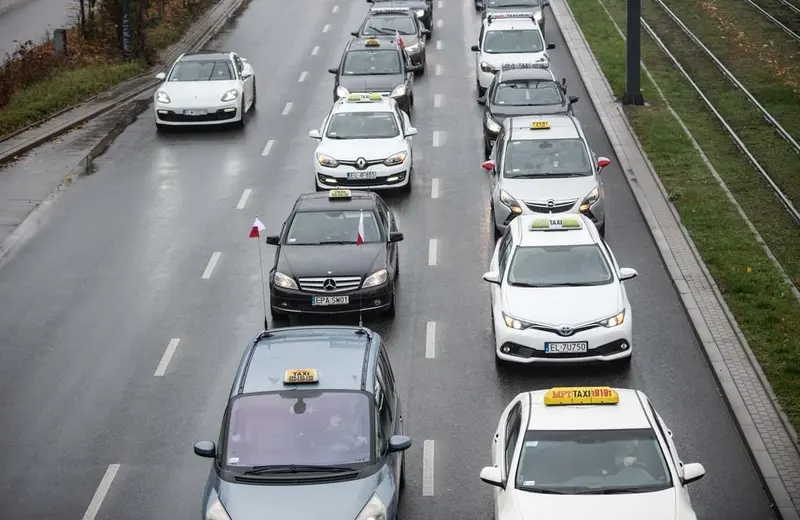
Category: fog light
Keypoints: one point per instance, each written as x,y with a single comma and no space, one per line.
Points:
624,346
162,111
376,302
506,349
393,178
232,109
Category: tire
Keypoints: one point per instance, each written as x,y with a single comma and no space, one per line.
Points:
481,90
625,362
255,96
495,232
278,318
487,150
161,128
243,120
424,64
390,311
403,473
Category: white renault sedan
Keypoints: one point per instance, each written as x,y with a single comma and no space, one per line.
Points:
558,294
587,452
364,142
205,88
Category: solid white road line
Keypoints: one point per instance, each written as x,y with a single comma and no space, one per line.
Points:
315,50
211,265
439,23
335,9
243,200
165,359
435,188
430,340
427,468
438,136
100,494
268,148
287,108
439,70
326,28
437,100
432,251
303,76
438,45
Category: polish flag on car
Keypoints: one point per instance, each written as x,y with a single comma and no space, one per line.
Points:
258,226
399,40
360,237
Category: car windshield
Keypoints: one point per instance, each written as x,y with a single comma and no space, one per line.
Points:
207,70
358,63
502,4
546,158
528,93
331,227
513,42
362,125
554,266
386,26
592,461
299,427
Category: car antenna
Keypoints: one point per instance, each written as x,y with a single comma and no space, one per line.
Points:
359,244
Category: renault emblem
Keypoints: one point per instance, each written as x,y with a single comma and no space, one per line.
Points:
361,163
329,284
565,330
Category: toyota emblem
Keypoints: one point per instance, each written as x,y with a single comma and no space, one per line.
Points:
361,163
329,284
551,203
565,330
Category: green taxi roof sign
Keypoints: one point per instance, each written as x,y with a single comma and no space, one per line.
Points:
555,224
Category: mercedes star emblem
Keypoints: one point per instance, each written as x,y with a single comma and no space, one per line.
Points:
329,284
565,330
361,163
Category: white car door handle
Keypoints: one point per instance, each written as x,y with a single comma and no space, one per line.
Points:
496,437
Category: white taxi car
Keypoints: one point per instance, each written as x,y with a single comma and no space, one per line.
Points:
205,88
543,164
506,38
587,452
557,294
364,142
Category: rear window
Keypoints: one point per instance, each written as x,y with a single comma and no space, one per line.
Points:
367,62
520,93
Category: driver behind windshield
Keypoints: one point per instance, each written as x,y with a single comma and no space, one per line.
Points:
331,227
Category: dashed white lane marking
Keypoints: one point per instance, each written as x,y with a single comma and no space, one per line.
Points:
335,9
430,340
435,188
438,137
438,45
315,50
427,468
100,494
326,28
432,251
268,148
439,23
437,100
165,359
287,108
439,70
303,76
440,4
243,199
212,263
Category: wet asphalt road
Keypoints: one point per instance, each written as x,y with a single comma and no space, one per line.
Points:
89,304
22,20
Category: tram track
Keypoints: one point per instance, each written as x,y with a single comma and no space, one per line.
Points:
783,14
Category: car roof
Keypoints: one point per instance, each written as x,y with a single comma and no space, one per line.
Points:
386,104
561,127
344,357
517,74
320,201
510,23
205,56
384,43
524,237
405,12
628,414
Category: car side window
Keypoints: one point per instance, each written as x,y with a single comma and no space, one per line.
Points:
400,118
506,248
513,424
663,433
480,37
239,65
383,417
499,148
386,216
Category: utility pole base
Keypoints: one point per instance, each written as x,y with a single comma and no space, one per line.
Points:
635,98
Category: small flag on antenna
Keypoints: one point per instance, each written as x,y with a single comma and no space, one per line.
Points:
399,40
258,226
360,237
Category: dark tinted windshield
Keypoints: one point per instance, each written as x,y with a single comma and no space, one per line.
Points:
331,227
202,71
362,125
553,266
546,157
358,63
513,42
527,93
278,428
386,26
575,462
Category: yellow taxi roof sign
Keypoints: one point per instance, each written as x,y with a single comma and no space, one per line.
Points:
540,125
555,224
300,376
364,97
581,395
372,42
339,194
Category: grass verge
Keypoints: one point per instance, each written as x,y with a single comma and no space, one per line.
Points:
764,307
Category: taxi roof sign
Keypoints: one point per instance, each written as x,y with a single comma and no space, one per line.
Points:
518,66
555,224
390,10
300,376
372,42
339,194
364,98
540,125
581,395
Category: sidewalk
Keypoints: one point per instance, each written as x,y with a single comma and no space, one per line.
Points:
769,438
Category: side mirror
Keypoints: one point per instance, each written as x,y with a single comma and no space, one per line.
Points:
492,476
399,443
411,131
334,70
626,273
416,68
546,3
602,162
424,32
475,48
354,33
395,236
243,59
551,46
692,472
246,75
564,83
488,166
274,240
492,277
161,76
314,134
481,100
573,99
207,449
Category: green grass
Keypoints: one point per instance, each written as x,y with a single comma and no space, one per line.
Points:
765,308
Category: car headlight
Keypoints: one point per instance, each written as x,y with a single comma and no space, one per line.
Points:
281,280
230,95
217,511
327,161
398,91
592,197
413,48
613,321
375,279
514,323
537,16
485,67
162,97
373,510
420,13
395,159
342,92
492,125
510,202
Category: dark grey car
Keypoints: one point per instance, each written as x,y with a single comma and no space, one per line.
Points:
313,428
386,22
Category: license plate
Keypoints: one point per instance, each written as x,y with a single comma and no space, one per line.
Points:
330,300
566,348
361,175
195,112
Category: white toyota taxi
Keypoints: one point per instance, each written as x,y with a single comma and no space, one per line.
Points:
557,293
587,452
364,142
507,38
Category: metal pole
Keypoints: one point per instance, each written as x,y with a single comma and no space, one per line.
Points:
127,37
633,84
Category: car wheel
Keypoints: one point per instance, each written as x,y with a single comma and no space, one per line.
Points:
161,128
495,232
626,362
391,310
318,188
481,90
243,119
487,150
278,318
255,96
424,64
403,473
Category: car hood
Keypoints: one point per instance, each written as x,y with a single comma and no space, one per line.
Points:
500,112
372,149
371,82
333,260
197,92
660,505
559,305
556,188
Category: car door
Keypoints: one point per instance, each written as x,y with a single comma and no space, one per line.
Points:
480,49
385,404
504,453
497,155
409,74
505,249
391,247
246,78
405,122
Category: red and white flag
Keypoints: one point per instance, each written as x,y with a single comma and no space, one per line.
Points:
399,40
360,237
258,226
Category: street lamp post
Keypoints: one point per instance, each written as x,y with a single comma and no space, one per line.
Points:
633,84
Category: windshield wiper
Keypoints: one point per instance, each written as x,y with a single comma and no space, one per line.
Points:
617,491
544,491
340,242
380,30
292,468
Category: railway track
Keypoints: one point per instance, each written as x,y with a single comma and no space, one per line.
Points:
786,16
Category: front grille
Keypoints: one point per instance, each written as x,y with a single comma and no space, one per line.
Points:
374,162
342,283
357,183
558,206
554,330
219,115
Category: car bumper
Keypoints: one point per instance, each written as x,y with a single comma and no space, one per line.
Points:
528,346
484,78
503,215
175,115
386,177
290,301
